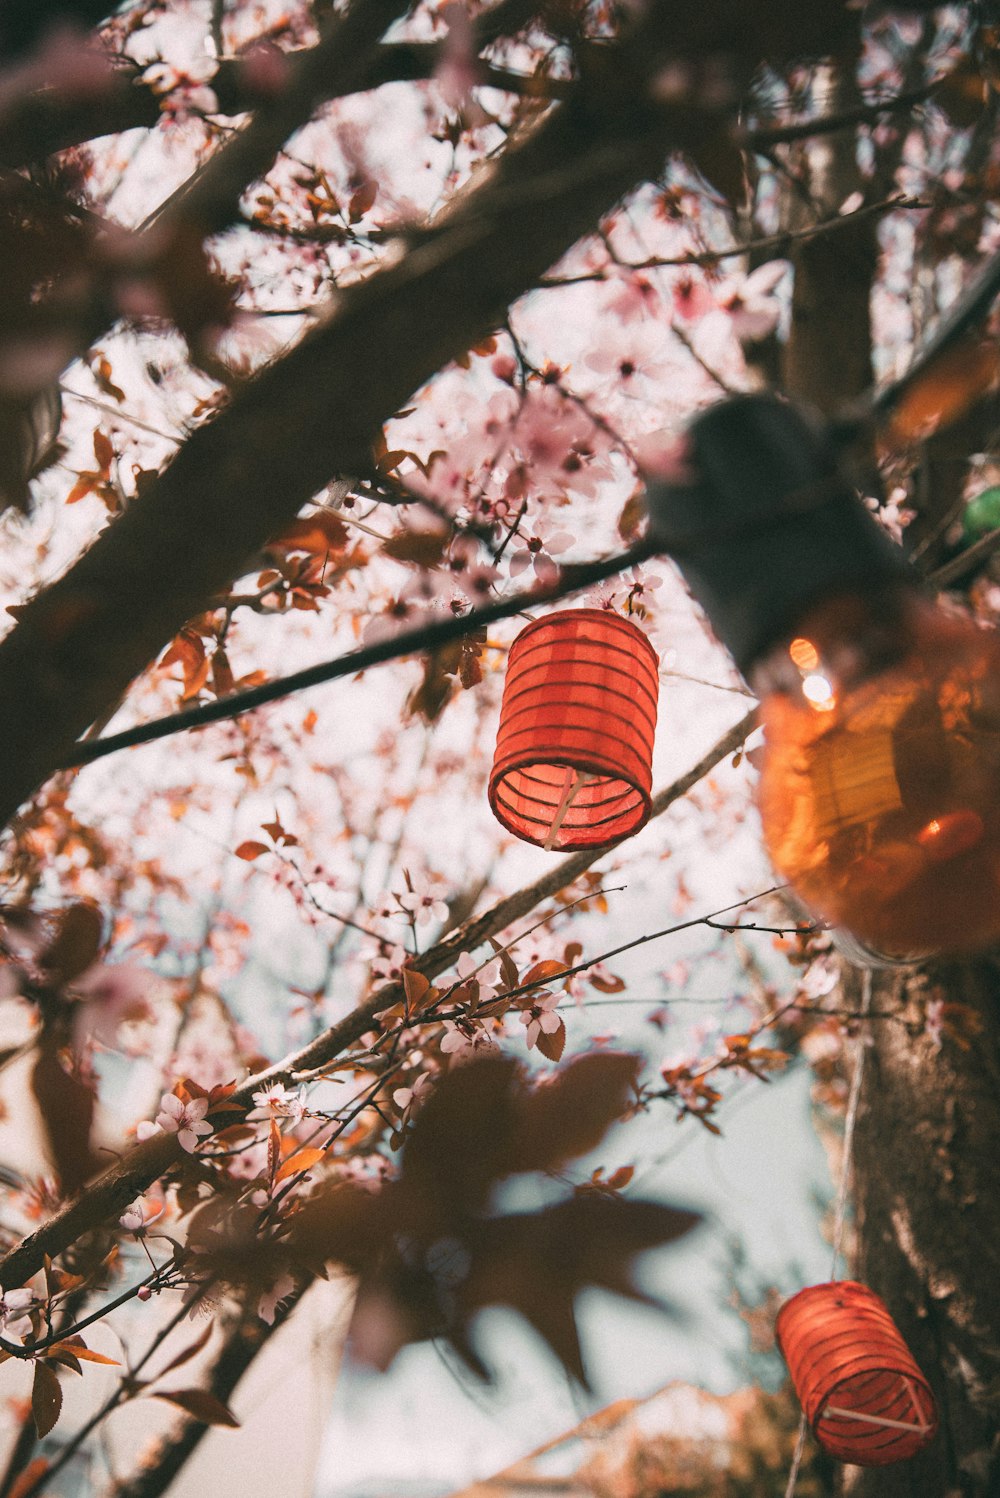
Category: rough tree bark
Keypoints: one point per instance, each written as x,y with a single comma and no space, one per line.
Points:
928,1215
925,1169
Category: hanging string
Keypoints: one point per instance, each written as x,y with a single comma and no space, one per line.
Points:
800,1442
840,1211
849,1121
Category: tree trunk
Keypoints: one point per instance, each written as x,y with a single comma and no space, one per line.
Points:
928,1214
926,1150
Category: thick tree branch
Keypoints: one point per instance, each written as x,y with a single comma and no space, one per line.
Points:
40,124
338,65
314,414
108,1196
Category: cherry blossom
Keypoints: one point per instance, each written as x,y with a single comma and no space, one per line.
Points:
538,552
486,975
422,901
638,363
278,1101
389,965
691,298
268,1304
186,1120
133,1219
464,1037
184,91
115,996
541,1017
408,1099
14,1305
746,308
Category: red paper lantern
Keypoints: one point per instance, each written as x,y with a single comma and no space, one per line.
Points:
865,1398
574,749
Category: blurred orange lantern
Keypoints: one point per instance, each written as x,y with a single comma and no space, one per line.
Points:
864,1396
573,763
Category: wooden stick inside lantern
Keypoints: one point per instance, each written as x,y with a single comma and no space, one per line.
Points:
575,781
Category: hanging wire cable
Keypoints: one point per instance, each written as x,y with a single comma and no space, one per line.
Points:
849,1122
840,1211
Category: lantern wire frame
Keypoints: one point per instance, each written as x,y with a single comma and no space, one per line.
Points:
862,1391
573,763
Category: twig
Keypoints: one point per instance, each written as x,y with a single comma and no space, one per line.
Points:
146,1162
410,642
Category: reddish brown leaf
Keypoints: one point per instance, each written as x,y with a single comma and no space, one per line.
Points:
85,484
100,368
251,850
429,699
460,1143
273,1149
415,986
222,675
539,1262
962,93
632,515
46,1398
200,1405
195,679
607,984
955,380
361,201
303,1159
541,972
103,451
552,1043
75,945
425,548
343,1223
67,1109
569,1115
79,1349
318,533
27,1479
508,967
191,1351
390,460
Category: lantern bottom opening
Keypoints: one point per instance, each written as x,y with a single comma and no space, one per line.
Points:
564,806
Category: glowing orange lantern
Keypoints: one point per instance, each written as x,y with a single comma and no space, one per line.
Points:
864,1396
574,749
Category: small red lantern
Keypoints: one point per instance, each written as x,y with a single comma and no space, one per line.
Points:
864,1396
573,763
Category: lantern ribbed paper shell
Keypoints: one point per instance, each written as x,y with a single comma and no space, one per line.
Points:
864,1396
575,744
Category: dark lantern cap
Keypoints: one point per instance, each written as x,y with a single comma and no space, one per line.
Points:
768,525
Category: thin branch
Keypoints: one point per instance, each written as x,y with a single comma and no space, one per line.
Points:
775,135
338,64
502,1001
967,561
410,642
776,243
877,404
146,1162
42,122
